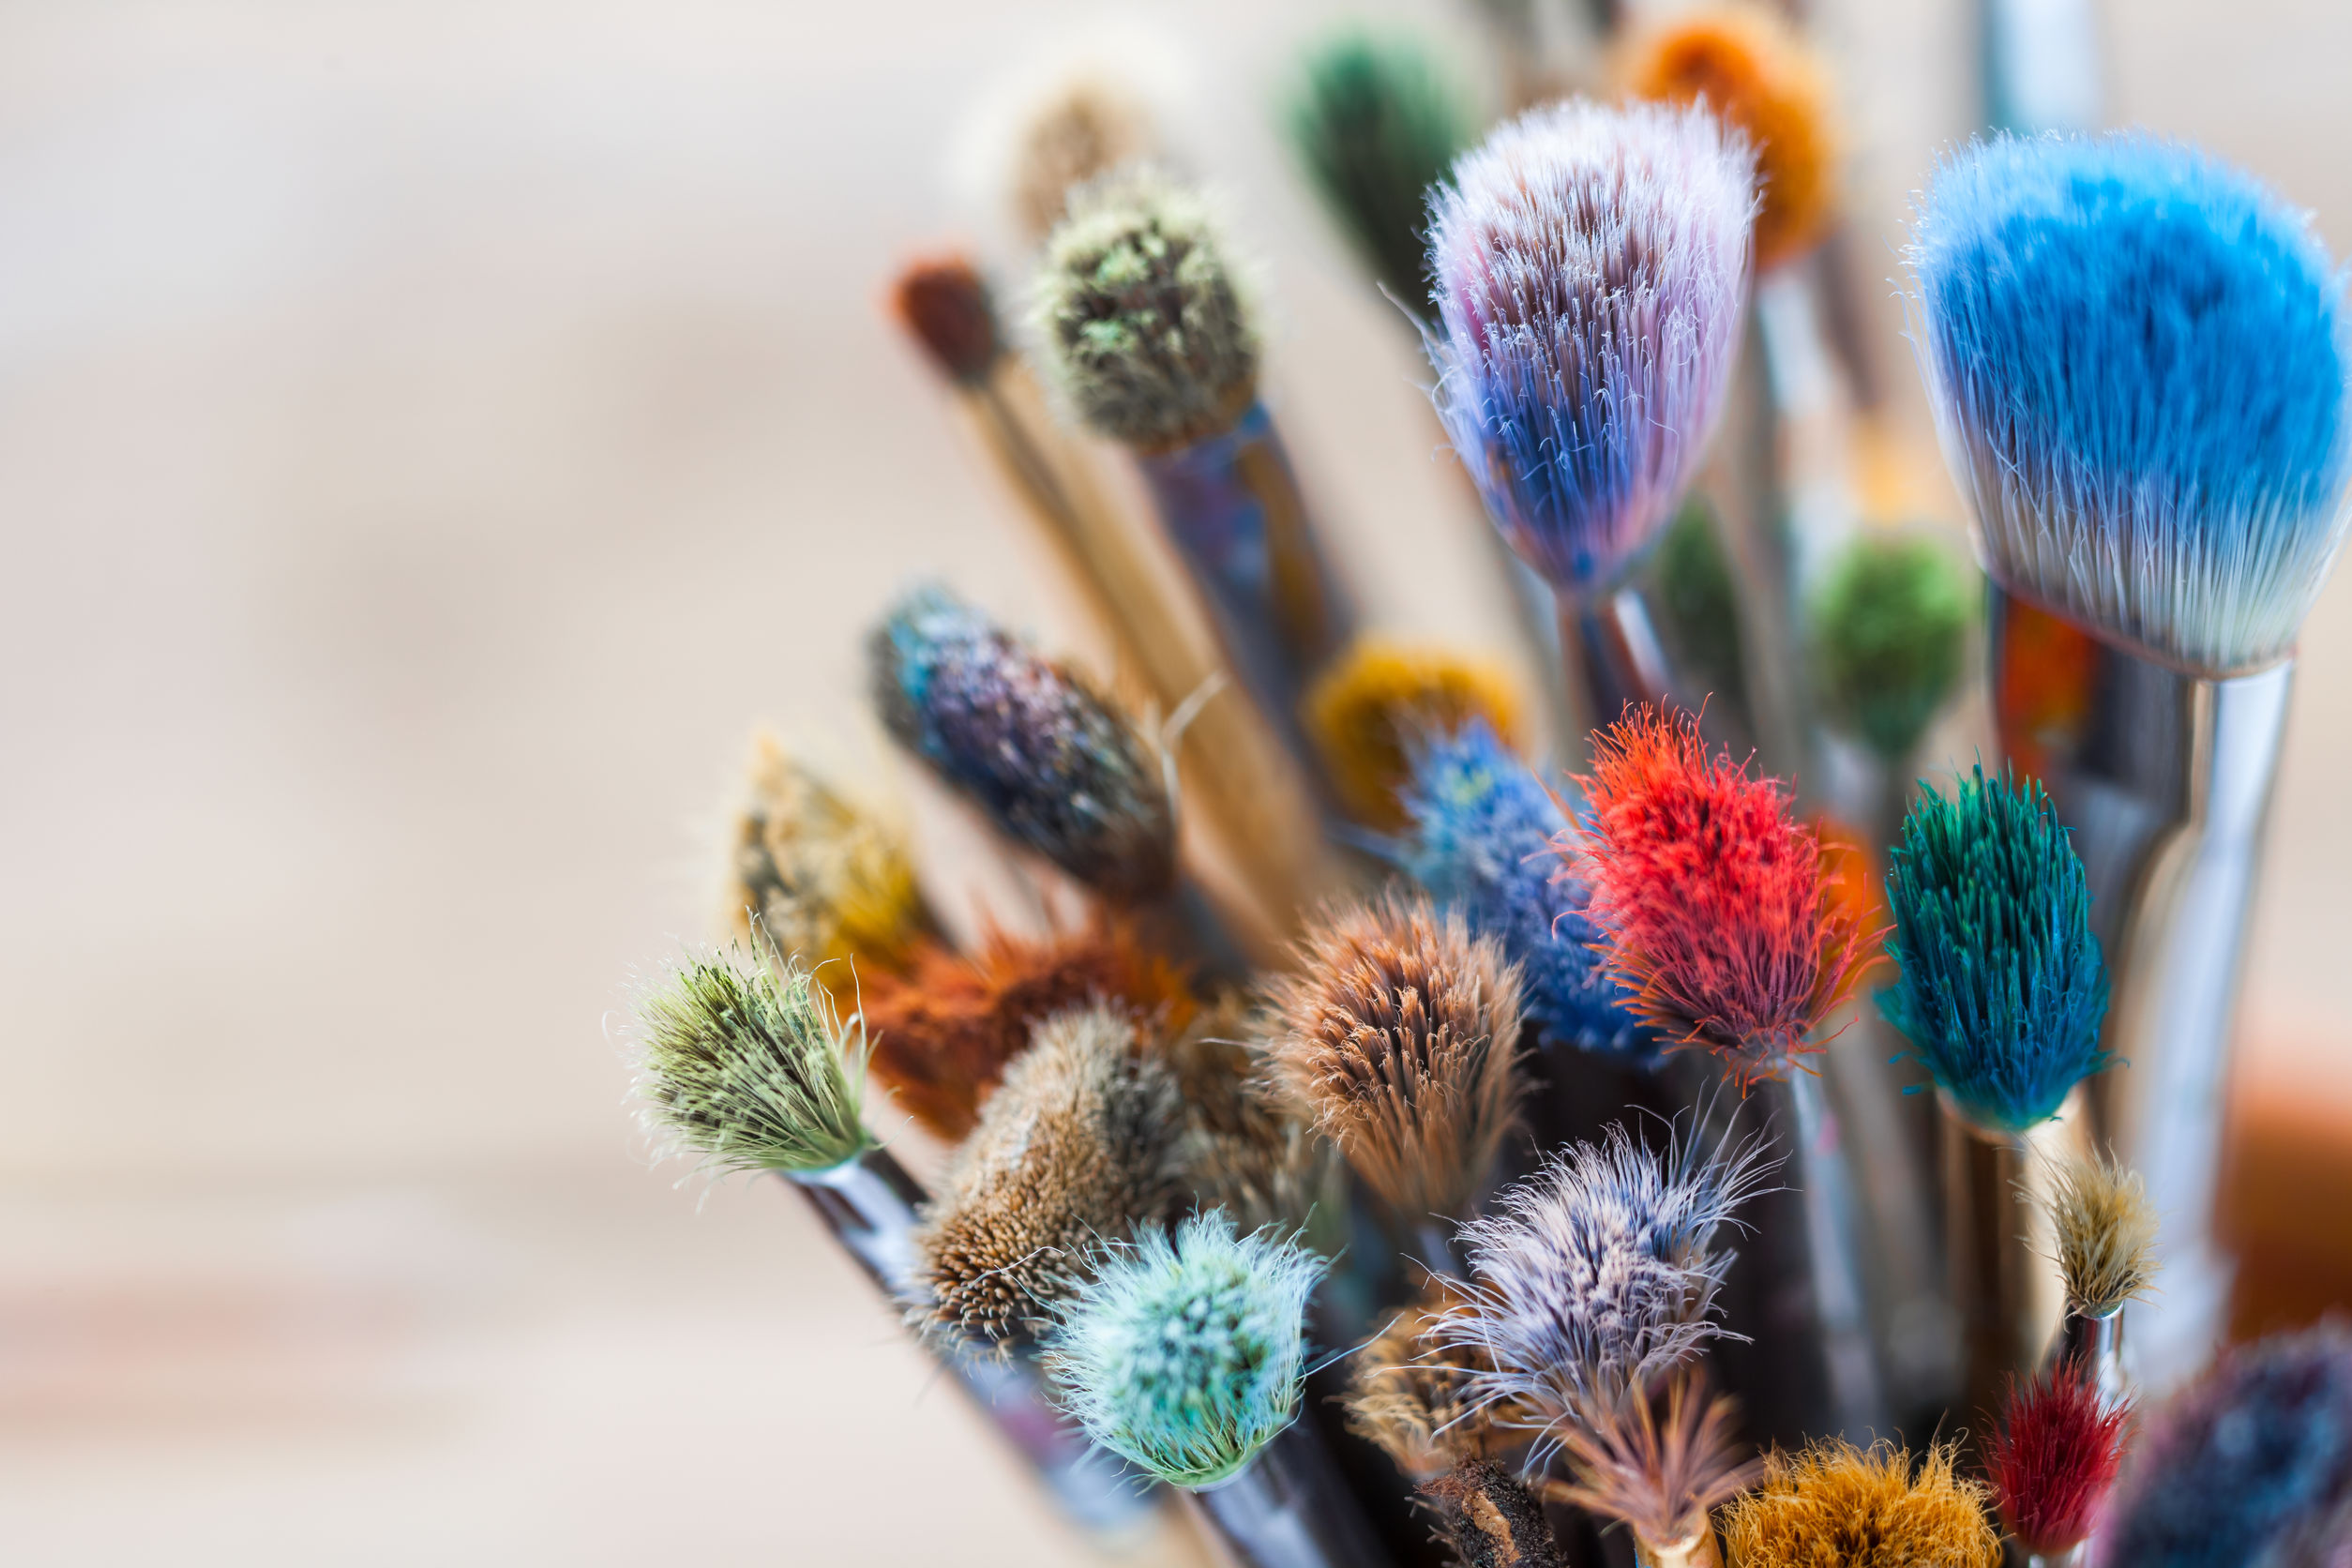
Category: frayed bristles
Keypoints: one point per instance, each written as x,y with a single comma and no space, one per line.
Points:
1377,122
2138,360
1417,1400
2055,1458
1725,932
2107,1234
1752,68
1399,1033
1055,767
1596,1274
1890,633
1378,700
1591,269
942,1034
1082,1143
1862,1508
944,302
1187,1355
746,1064
2002,986
1661,1477
1248,1150
1140,315
1490,1519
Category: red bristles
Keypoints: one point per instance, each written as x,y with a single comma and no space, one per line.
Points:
1724,927
2055,1458
944,302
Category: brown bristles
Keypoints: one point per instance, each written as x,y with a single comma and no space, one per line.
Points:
1247,1149
944,1033
1491,1519
1399,1032
943,301
1081,1143
1662,1477
1413,1397
1838,1506
1089,126
2107,1233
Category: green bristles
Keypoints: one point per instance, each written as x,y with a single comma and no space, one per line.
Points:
1377,122
1892,629
1700,601
750,1066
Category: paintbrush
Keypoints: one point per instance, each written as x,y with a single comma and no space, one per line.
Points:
1186,1354
1591,266
1730,940
745,1065
2001,989
2105,1232
1367,711
2054,1460
1235,769
1659,1475
1144,323
2247,1466
1862,1508
2137,358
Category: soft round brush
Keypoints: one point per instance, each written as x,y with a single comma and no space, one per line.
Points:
1368,709
1834,1503
1235,768
2247,1466
1186,1354
746,1066
2138,359
1144,323
2053,1461
2002,992
1659,1476
1398,1032
1728,938
1890,627
1592,265
2107,1241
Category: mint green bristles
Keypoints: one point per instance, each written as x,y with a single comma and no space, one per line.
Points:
749,1066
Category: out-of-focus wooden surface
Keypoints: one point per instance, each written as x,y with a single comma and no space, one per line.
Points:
430,433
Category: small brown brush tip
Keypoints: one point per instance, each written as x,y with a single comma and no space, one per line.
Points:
944,302
1491,1519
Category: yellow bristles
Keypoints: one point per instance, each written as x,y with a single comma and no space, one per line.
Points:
1838,1506
1367,709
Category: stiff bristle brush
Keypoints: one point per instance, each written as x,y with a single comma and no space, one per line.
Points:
2138,360
745,1065
2105,1235
2053,1461
1660,1473
1835,1505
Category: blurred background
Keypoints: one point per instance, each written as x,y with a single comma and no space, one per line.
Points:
431,435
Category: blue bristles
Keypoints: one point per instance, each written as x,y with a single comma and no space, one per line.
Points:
1481,842
2002,986
2138,356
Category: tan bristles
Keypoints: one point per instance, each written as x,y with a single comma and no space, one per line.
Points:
1087,126
1400,1034
2107,1233
1663,1478
1247,1149
1412,1397
1082,1143
1838,1506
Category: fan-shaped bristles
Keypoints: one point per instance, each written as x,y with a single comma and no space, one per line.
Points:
1187,1355
942,1034
2138,358
1726,933
1082,1143
1890,631
1662,1478
1142,320
821,877
943,301
1399,1032
1481,842
1084,126
2107,1233
1366,711
2248,1467
2054,1458
747,1065
1838,1506
1595,1275
2002,985
1591,271
1377,121
1054,765
1751,65
1416,1399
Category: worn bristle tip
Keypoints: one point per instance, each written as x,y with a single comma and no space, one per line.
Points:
2107,1234
1379,699
2054,1458
1660,1474
1416,1398
817,875
1862,1508
944,302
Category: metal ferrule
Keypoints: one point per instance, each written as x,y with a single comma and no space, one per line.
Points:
2074,1557
1609,644
1698,1551
1834,1233
1288,1508
2165,778
2004,1288
2095,1344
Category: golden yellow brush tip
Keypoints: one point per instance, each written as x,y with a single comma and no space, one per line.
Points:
1838,1506
2107,1233
826,881
1368,711
1759,75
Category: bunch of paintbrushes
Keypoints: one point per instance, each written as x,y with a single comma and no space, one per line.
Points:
1406,1150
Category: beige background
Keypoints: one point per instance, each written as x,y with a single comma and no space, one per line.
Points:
429,434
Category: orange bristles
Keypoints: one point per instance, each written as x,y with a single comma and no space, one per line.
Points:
1379,699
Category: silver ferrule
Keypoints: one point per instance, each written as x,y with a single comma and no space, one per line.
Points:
2041,65
2165,778
1288,1508
2074,1557
2096,1344
1991,1266
1609,645
869,1203
1834,1233
1695,1551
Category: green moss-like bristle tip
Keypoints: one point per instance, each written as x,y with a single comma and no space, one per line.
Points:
1892,634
